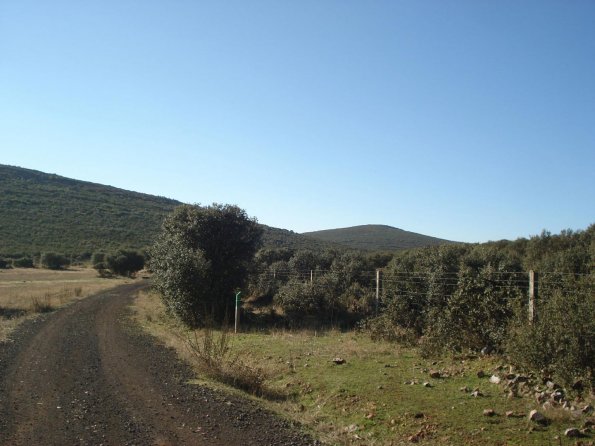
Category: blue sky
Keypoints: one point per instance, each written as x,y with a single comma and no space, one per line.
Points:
466,120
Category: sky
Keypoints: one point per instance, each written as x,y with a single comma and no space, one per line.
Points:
464,120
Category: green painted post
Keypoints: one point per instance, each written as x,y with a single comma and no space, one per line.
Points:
237,318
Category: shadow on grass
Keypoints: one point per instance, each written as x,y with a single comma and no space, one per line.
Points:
11,313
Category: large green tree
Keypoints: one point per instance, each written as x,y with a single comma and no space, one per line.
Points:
201,257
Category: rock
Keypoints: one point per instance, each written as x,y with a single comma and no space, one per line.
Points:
572,432
476,394
558,395
494,379
489,412
540,397
464,389
578,385
587,409
427,384
537,417
434,374
487,350
339,361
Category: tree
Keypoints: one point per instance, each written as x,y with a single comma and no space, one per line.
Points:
51,260
201,258
23,262
125,262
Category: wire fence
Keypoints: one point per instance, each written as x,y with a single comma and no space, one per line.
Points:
386,285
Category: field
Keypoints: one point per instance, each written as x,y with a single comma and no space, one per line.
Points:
344,388
378,396
25,292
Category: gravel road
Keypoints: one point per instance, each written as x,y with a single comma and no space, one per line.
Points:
86,375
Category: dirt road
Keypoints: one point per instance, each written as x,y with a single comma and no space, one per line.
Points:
85,375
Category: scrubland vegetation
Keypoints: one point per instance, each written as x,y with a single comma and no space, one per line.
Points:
401,355
378,396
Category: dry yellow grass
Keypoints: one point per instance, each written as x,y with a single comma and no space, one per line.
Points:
28,291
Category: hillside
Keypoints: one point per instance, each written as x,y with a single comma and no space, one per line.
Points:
46,212
376,237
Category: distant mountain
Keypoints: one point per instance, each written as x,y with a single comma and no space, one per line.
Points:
376,238
46,212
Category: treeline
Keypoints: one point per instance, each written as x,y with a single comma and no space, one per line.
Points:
122,262
463,297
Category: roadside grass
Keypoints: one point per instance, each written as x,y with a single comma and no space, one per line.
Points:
377,397
25,292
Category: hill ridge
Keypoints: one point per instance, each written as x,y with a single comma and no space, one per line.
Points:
380,237
43,212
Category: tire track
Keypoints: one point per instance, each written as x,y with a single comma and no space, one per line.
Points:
86,375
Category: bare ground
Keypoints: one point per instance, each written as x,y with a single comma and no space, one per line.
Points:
86,375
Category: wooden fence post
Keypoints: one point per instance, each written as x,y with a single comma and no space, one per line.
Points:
533,287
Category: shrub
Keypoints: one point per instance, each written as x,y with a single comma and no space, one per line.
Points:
215,358
201,258
300,300
23,262
51,260
381,328
124,262
4,264
98,259
561,342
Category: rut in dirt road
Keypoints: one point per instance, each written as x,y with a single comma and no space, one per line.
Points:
86,375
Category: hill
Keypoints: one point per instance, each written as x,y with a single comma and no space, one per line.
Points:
376,238
46,212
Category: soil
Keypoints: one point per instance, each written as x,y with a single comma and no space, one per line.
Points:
87,375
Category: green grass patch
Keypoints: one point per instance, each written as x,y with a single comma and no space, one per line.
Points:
377,397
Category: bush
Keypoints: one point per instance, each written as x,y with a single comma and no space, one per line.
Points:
124,262
4,264
561,342
98,259
23,262
201,258
215,358
381,328
51,260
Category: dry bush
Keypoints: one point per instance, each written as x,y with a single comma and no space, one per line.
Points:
41,304
215,357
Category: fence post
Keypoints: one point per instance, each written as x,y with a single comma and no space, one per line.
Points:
533,287
237,312
377,289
